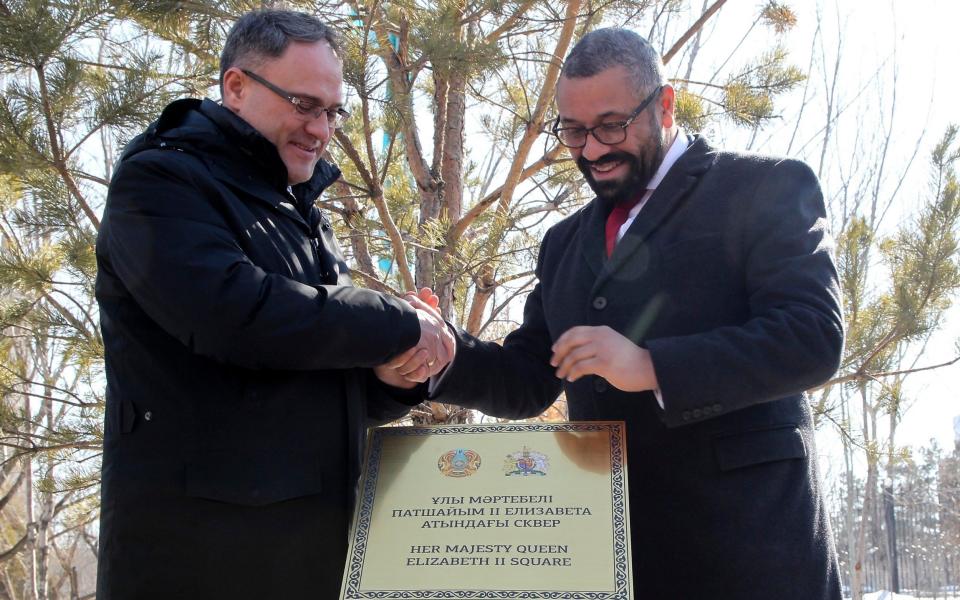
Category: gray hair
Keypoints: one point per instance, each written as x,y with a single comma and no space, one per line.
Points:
265,34
604,48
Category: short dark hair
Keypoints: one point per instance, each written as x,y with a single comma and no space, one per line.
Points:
609,47
265,34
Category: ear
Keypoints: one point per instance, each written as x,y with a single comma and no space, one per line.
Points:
235,89
666,105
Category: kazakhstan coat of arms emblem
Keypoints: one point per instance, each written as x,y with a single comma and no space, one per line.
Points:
526,462
459,462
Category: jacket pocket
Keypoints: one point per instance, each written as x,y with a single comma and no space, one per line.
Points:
252,480
758,447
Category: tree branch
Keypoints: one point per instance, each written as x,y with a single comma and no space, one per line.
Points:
859,376
4,556
12,491
477,209
403,98
689,33
59,159
510,21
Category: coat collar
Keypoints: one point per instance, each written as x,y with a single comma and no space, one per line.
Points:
264,153
232,148
666,199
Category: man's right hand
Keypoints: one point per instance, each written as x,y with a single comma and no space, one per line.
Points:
434,350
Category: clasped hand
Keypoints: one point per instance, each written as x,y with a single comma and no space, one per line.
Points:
432,353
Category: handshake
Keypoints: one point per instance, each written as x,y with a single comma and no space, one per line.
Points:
432,353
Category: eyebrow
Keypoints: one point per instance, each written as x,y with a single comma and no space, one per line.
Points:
609,113
314,100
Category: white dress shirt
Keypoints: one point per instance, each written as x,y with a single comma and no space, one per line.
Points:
677,148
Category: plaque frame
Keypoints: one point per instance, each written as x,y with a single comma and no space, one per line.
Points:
365,505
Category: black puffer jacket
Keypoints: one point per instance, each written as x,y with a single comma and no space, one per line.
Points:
237,364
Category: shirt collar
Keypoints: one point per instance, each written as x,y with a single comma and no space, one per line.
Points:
676,150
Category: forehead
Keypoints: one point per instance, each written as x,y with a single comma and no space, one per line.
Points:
310,69
586,99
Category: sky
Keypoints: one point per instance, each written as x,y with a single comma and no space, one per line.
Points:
923,35
920,38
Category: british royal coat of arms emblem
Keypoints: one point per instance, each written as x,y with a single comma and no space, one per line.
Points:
459,462
526,462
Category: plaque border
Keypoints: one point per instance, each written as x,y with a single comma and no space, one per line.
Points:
618,482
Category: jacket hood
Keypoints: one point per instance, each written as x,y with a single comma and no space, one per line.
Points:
206,128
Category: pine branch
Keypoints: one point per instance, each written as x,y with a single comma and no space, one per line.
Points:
351,151
510,21
91,178
59,158
67,315
375,283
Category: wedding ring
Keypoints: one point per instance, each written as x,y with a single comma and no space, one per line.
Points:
430,363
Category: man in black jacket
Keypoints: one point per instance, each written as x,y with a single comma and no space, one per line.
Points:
241,363
694,298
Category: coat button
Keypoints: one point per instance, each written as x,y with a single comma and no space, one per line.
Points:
147,416
717,408
685,415
599,303
697,413
600,385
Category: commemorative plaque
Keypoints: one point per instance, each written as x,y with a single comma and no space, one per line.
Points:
506,510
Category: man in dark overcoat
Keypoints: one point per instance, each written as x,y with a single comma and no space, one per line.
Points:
695,298
241,363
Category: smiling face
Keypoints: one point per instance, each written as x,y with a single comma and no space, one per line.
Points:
308,70
616,172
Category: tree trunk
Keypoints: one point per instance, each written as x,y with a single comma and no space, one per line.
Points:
869,496
891,526
451,171
30,591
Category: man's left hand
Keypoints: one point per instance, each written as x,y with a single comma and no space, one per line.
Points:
602,351
390,375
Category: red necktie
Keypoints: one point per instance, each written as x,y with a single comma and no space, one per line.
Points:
618,216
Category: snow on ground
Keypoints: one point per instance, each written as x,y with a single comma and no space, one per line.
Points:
885,595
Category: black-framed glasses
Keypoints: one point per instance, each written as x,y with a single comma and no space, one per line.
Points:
609,134
305,106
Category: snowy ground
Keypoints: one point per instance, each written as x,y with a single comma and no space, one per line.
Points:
884,595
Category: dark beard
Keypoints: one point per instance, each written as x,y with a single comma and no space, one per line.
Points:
640,171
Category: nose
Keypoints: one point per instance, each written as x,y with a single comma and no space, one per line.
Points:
320,129
593,149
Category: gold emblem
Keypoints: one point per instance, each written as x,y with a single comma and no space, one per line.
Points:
459,462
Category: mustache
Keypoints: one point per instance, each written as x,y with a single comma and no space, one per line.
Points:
583,163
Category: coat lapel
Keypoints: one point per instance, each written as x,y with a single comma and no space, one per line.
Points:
592,222
665,201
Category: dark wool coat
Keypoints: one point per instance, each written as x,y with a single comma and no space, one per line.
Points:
726,277
237,355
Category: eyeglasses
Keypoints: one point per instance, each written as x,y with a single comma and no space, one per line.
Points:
605,133
304,106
